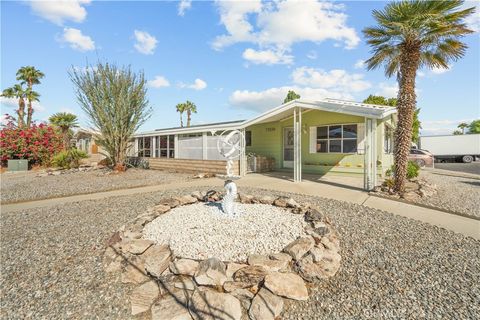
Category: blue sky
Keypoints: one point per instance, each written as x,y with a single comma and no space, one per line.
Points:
233,59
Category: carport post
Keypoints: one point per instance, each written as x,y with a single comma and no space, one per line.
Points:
370,163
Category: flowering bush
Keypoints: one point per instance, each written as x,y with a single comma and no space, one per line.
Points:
37,143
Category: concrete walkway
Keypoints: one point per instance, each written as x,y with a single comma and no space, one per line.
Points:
460,224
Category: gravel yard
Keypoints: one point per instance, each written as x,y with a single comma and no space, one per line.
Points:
392,267
27,186
198,231
454,193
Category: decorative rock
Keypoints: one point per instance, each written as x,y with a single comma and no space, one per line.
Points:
245,198
245,296
291,203
267,263
331,243
313,215
321,228
145,218
298,248
184,283
230,286
161,209
266,200
184,266
143,297
157,259
138,246
288,285
132,274
265,306
252,275
172,307
186,200
280,202
281,257
170,202
132,234
233,267
211,272
114,239
325,268
209,304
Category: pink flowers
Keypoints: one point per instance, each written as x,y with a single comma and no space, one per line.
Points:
38,143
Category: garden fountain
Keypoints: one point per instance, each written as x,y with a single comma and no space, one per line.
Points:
230,146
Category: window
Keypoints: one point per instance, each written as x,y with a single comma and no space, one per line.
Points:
165,146
388,140
248,138
337,139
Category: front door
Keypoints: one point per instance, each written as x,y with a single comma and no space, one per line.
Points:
288,147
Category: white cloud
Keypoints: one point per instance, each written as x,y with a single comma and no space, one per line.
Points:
183,6
337,79
77,40
145,42
13,104
473,21
264,100
441,70
158,82
198,84
61,10
67,110
268,57
279,25
309,83
387,90
360,64
446,126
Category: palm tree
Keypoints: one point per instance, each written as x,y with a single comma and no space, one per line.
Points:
30,76
65,121
31,96
181,108
17,92
463,126
190,107
411,35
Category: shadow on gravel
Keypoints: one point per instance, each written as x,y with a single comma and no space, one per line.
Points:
473,183
182,297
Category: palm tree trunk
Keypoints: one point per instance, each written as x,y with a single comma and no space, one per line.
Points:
29,113
21,113
189,117
181,119
409,61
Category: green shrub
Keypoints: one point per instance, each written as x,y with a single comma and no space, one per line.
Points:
413,169
69,158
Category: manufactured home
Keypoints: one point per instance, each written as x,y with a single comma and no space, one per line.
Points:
315,137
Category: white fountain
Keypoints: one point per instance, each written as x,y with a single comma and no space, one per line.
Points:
230,146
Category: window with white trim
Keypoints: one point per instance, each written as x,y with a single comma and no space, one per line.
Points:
339,138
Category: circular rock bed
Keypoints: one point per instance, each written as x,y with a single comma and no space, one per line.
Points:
190,261
202,230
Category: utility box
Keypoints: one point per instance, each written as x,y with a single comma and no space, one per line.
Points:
18,165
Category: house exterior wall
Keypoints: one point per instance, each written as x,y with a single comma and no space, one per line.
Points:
267,140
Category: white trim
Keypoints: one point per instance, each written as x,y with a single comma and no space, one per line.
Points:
329,105
370,158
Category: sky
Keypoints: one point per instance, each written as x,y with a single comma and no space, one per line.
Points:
233,59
